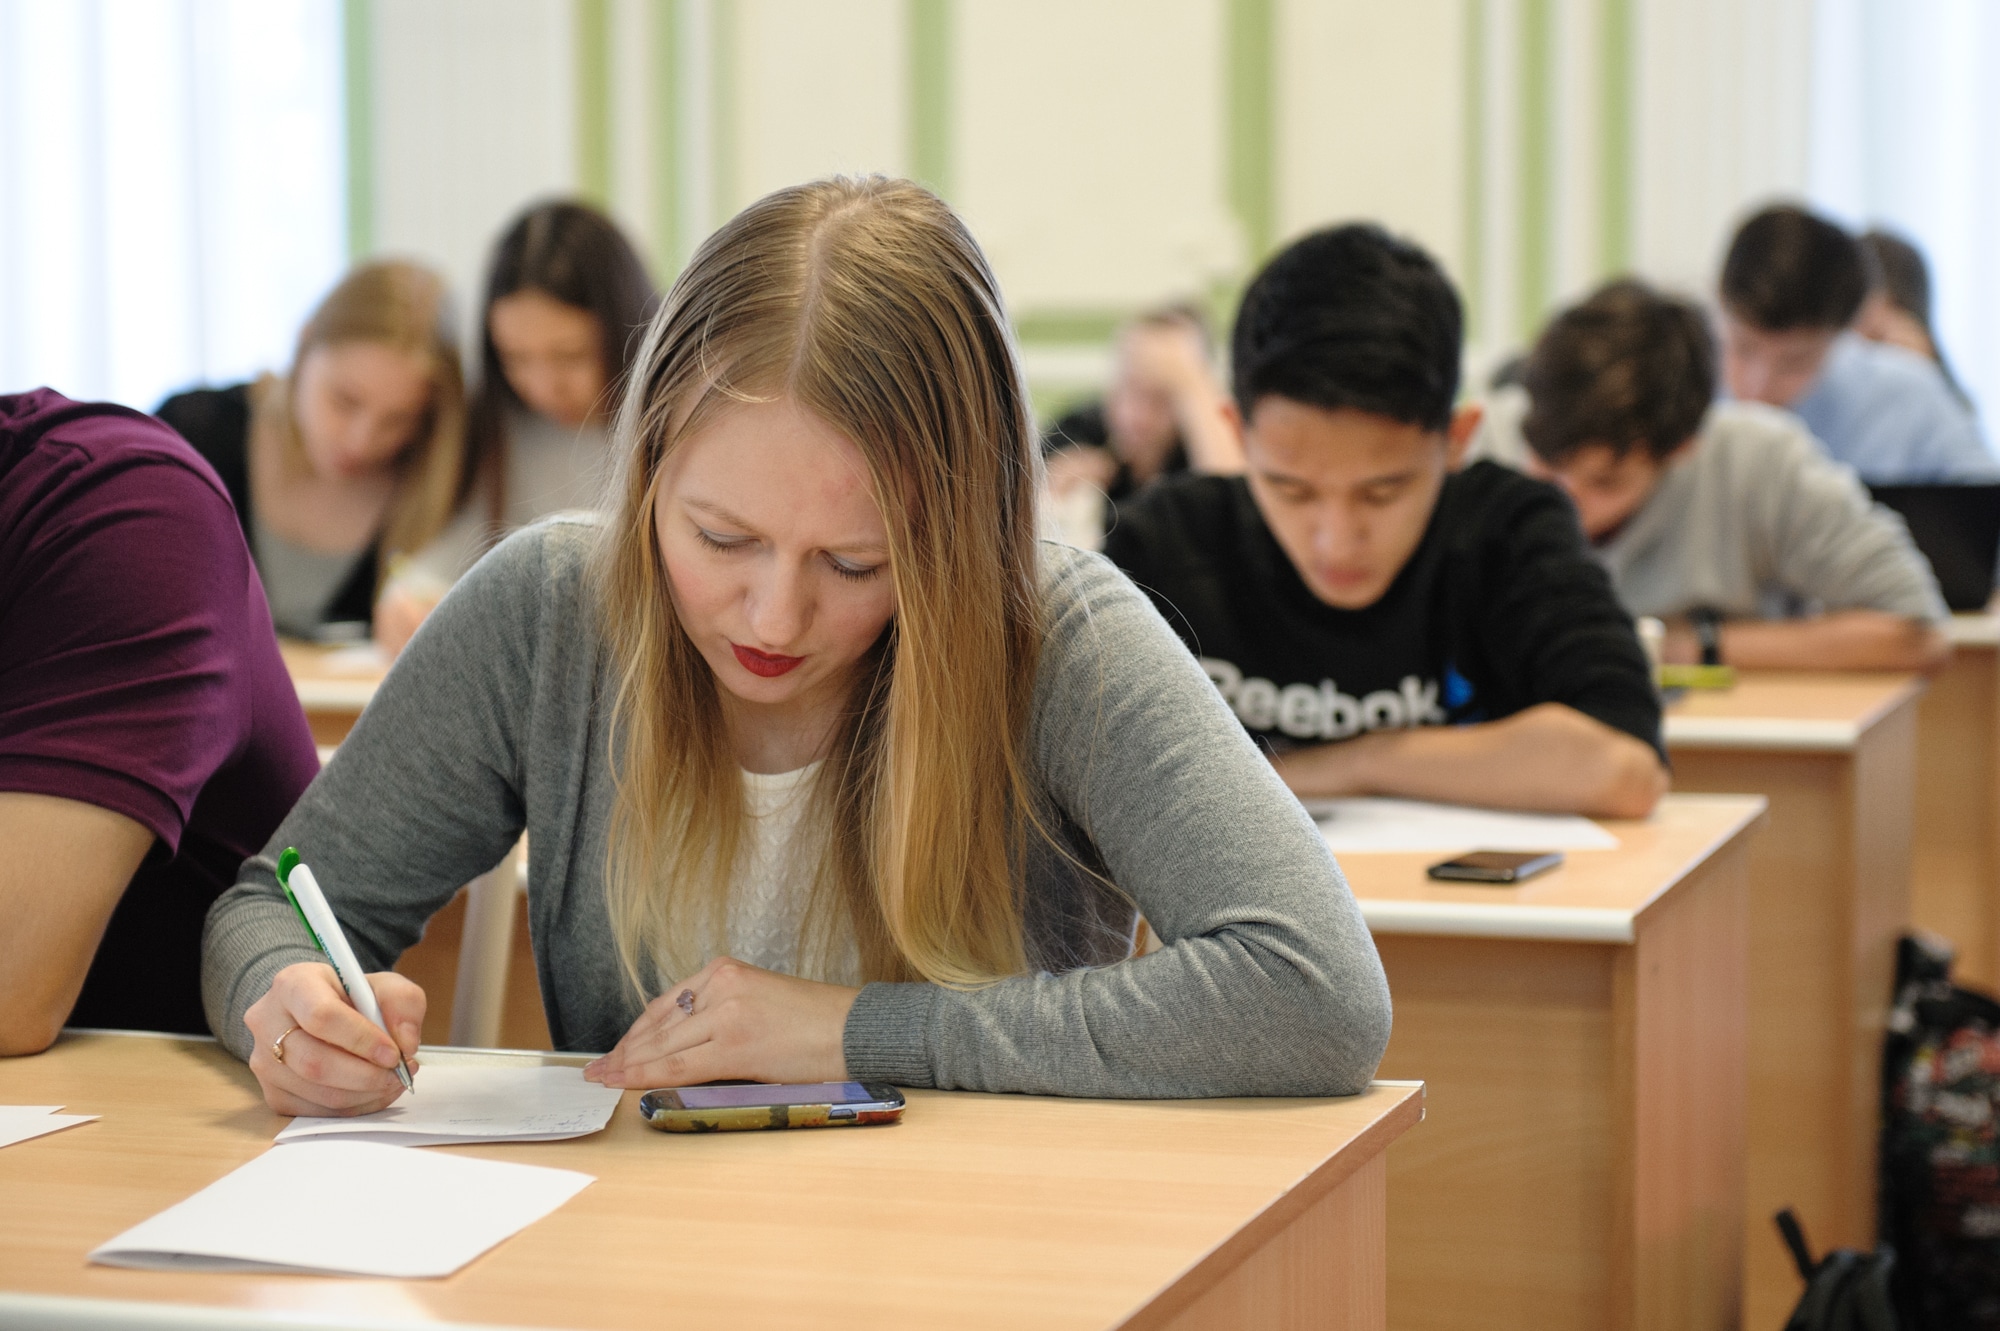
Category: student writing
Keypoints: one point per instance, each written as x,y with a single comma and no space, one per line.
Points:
1722,518
1791,285
353,456
811,730
149,735
567,300
1384,622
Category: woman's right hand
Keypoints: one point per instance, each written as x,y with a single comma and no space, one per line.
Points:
336,1061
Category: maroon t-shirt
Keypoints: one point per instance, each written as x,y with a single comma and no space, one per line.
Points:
139,673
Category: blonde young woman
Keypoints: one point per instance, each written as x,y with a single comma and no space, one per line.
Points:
353,456
830,771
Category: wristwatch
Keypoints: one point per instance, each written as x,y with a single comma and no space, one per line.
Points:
1707,625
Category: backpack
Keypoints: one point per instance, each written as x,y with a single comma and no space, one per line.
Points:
1940,1157
1845,1290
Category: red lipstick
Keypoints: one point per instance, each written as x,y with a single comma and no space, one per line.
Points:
763,663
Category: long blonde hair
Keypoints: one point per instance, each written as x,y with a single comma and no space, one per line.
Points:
869,304
404,306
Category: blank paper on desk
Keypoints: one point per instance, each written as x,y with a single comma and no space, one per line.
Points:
1362,826
459,1103
346,1208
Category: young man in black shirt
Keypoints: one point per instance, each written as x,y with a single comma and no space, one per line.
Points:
1387,623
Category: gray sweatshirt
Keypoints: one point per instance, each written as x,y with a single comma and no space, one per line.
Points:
1755,522
496,719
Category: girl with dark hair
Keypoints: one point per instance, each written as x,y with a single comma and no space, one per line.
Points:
1898,307
567,301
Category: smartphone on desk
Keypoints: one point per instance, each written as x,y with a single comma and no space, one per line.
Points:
1496,866
826,1104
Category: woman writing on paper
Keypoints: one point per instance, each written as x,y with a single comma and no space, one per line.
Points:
811,730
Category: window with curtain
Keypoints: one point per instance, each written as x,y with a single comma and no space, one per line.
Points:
172,189
1906,135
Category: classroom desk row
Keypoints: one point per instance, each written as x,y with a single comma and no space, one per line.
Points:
1633,1061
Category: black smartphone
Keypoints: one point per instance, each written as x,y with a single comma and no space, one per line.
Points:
1496,866
826,1104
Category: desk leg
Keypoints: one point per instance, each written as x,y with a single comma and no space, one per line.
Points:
1955,861
1829,892
1324,1270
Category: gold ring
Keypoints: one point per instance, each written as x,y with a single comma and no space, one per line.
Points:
278,1045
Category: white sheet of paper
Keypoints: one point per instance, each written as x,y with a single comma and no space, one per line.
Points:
455,1104
18,1123
1359,826
346,1208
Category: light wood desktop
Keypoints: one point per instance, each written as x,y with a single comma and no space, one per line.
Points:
1955,873
334,685
1830,892
976,1211
1581,1037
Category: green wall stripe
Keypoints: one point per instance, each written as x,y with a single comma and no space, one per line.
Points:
1537,77
592,20
929,24
1069,326
1251,87
665,61
1472,126
1615,127
357,34
722,111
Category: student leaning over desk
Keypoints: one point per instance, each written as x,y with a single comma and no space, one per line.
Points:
1387,622
812,729
1721,518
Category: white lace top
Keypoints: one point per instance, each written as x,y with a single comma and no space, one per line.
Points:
767,901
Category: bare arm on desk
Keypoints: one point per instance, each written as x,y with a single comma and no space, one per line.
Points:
1842,640
66,866
1549,758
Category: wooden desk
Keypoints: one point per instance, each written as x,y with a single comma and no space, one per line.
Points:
1829,893
1955,865
976,1211
334,684
1582,1042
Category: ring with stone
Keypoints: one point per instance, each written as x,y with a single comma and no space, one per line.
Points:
684,1000
278,1045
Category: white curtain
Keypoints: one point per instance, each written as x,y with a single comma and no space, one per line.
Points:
172,189
1906,134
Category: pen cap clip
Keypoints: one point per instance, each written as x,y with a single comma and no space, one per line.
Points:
288,860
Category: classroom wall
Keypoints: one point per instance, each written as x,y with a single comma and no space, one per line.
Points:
1109,154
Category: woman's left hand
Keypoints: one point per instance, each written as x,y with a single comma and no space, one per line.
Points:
746,1023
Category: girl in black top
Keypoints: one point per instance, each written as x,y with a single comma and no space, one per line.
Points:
354,456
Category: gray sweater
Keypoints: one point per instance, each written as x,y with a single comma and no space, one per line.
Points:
495,719
1755,522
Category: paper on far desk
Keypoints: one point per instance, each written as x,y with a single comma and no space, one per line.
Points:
455,1104
1360,826
346,1208
18,1123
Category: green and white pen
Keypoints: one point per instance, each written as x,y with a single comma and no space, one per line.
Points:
302,890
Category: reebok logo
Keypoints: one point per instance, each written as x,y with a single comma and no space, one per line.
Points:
1305,712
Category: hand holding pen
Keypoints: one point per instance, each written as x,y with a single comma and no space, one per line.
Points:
315,1052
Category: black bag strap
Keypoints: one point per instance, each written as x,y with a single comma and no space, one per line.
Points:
1795,1239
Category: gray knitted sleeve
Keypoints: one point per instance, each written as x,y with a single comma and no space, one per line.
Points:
1268,983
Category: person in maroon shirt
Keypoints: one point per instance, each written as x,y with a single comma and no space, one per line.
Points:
150,739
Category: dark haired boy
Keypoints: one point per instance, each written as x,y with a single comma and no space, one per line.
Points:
1386,623
1723,519
1791,286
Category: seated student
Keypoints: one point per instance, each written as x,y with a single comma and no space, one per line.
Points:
1164,413
1897,310
1445,630
350,459
149,736
1791,285
1723,519
567,300
830,770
